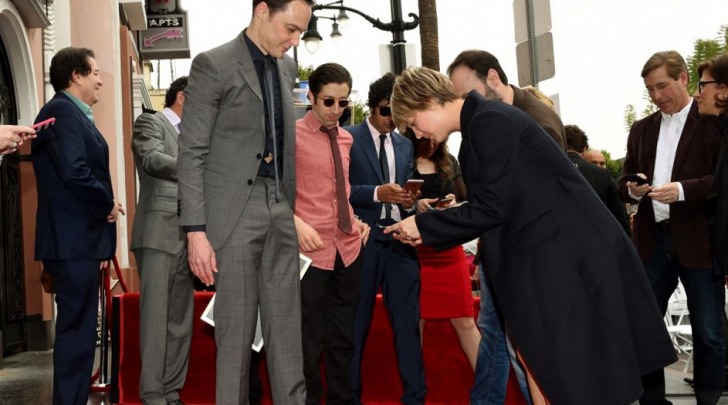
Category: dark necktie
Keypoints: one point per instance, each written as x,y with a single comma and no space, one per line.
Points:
341,199
268,85
384,163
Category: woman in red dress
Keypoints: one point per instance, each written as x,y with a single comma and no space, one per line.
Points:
445,278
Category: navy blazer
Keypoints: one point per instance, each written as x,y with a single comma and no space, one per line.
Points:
365,173
71,164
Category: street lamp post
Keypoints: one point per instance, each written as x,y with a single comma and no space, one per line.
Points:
397,27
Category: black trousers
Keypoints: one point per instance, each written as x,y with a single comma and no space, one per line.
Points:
328,308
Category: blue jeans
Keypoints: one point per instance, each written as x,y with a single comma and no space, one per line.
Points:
495,354
705,292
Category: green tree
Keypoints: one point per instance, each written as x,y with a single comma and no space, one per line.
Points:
304,72
630,116
614,166
705,49
361,112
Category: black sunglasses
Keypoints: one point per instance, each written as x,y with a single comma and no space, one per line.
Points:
385,111
329,102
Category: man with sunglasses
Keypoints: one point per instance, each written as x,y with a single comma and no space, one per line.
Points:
329,234
381,162
675,150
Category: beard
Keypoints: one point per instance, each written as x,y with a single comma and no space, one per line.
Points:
490,94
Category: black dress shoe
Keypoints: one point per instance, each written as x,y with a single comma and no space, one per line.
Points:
175,402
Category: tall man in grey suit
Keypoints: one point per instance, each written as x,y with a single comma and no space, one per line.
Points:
167,294
237,184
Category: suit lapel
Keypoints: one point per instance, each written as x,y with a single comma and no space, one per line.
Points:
247,66
370,150
686,139
651,135
399,160
168,125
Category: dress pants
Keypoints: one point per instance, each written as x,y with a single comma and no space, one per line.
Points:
705,292
258,265
166,306
328,307
77,299
393,266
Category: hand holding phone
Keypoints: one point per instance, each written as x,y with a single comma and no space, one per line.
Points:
445,202
634,178
43,125
413,186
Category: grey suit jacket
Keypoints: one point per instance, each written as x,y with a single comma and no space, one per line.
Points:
154,144
223,137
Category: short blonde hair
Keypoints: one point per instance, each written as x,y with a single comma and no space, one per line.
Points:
415,90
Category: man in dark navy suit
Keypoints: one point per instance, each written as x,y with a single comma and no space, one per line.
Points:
75,230
381,162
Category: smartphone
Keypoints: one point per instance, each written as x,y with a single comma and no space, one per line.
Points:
413,185
634,178
443,203
44,124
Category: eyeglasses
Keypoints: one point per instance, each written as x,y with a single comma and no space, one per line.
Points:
329,102
701,84
385,111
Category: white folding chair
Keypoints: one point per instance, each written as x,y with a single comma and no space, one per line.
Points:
677,320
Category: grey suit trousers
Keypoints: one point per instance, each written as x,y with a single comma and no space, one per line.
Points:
258,264
166,304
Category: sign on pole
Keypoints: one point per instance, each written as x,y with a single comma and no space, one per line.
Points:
534,41
542,18
546,65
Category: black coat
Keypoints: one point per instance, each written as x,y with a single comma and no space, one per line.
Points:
603,184
574,295
717,203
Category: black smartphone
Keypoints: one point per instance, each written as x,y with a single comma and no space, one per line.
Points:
634,178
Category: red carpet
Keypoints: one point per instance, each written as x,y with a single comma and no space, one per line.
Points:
448,374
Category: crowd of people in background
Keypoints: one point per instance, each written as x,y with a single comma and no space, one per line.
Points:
232,188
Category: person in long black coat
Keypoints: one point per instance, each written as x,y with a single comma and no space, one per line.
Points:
575,300
712,97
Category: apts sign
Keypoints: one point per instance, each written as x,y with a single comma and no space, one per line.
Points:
167,35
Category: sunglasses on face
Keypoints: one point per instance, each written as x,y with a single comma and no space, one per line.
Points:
385,111
329,102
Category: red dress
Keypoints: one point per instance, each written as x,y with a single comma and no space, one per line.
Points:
445,289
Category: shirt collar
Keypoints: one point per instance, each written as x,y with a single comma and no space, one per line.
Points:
85,108
681,116
255,52
172,116
375,133
313,123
